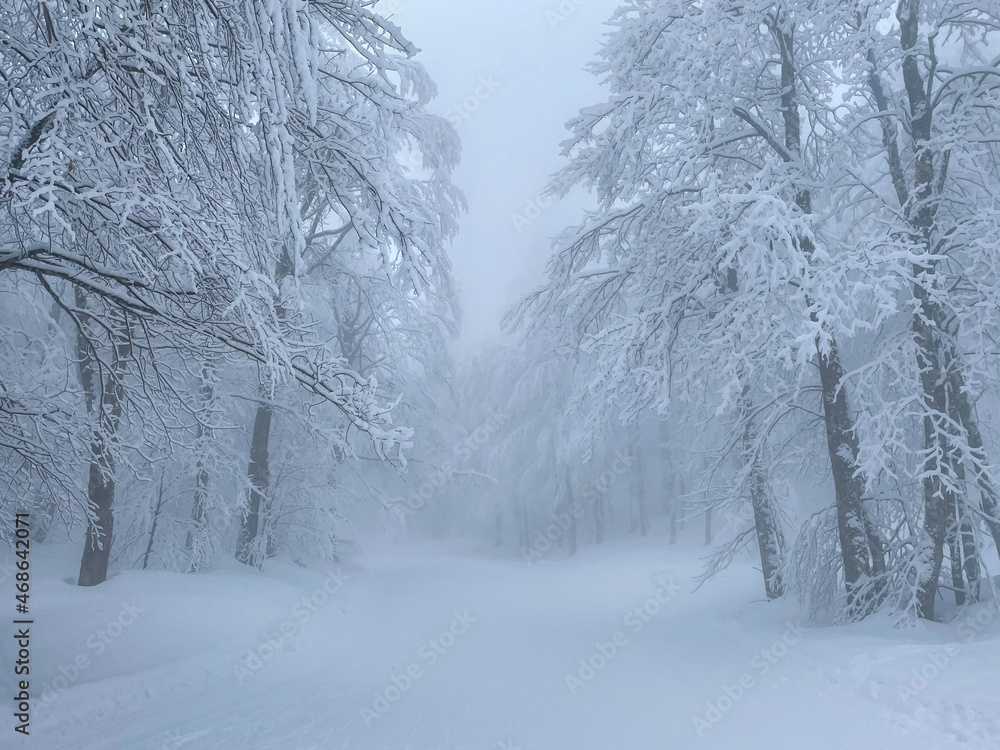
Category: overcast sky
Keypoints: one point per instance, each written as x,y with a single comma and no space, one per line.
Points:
512,74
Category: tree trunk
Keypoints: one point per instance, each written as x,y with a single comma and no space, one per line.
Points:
519,522
100,531
860,547
571,532
680,505
197,538
499,526
599,518
43,524
152,531
962,546
525,521
197,541
101,479
249,549
859,543
970,558
770,539
962,404
939,499
937,358
640,516
669,479
931,546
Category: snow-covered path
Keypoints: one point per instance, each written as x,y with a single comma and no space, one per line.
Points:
470,651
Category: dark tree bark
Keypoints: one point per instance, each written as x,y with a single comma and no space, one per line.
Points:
937,499
640,515
970,558
767,524
152,531
669,480
571,532
964,560
963,414
106,398
681,507
936,355
100,532
770,539
598,505
943,389
942,467
248,549
197,537
42,525
861,549
961,535
525,521
255,521
520,521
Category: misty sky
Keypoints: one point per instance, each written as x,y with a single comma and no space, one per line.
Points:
525,58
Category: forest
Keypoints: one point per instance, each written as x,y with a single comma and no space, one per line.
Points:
758,355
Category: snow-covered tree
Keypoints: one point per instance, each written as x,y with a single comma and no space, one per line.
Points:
376,207
155,155
922,199
705,161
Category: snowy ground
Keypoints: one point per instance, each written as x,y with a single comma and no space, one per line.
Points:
446,647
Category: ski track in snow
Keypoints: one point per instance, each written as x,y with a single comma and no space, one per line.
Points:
170,681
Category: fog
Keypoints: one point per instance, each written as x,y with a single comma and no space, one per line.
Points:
509,77
419,374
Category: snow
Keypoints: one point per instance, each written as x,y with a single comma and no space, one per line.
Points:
176,674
